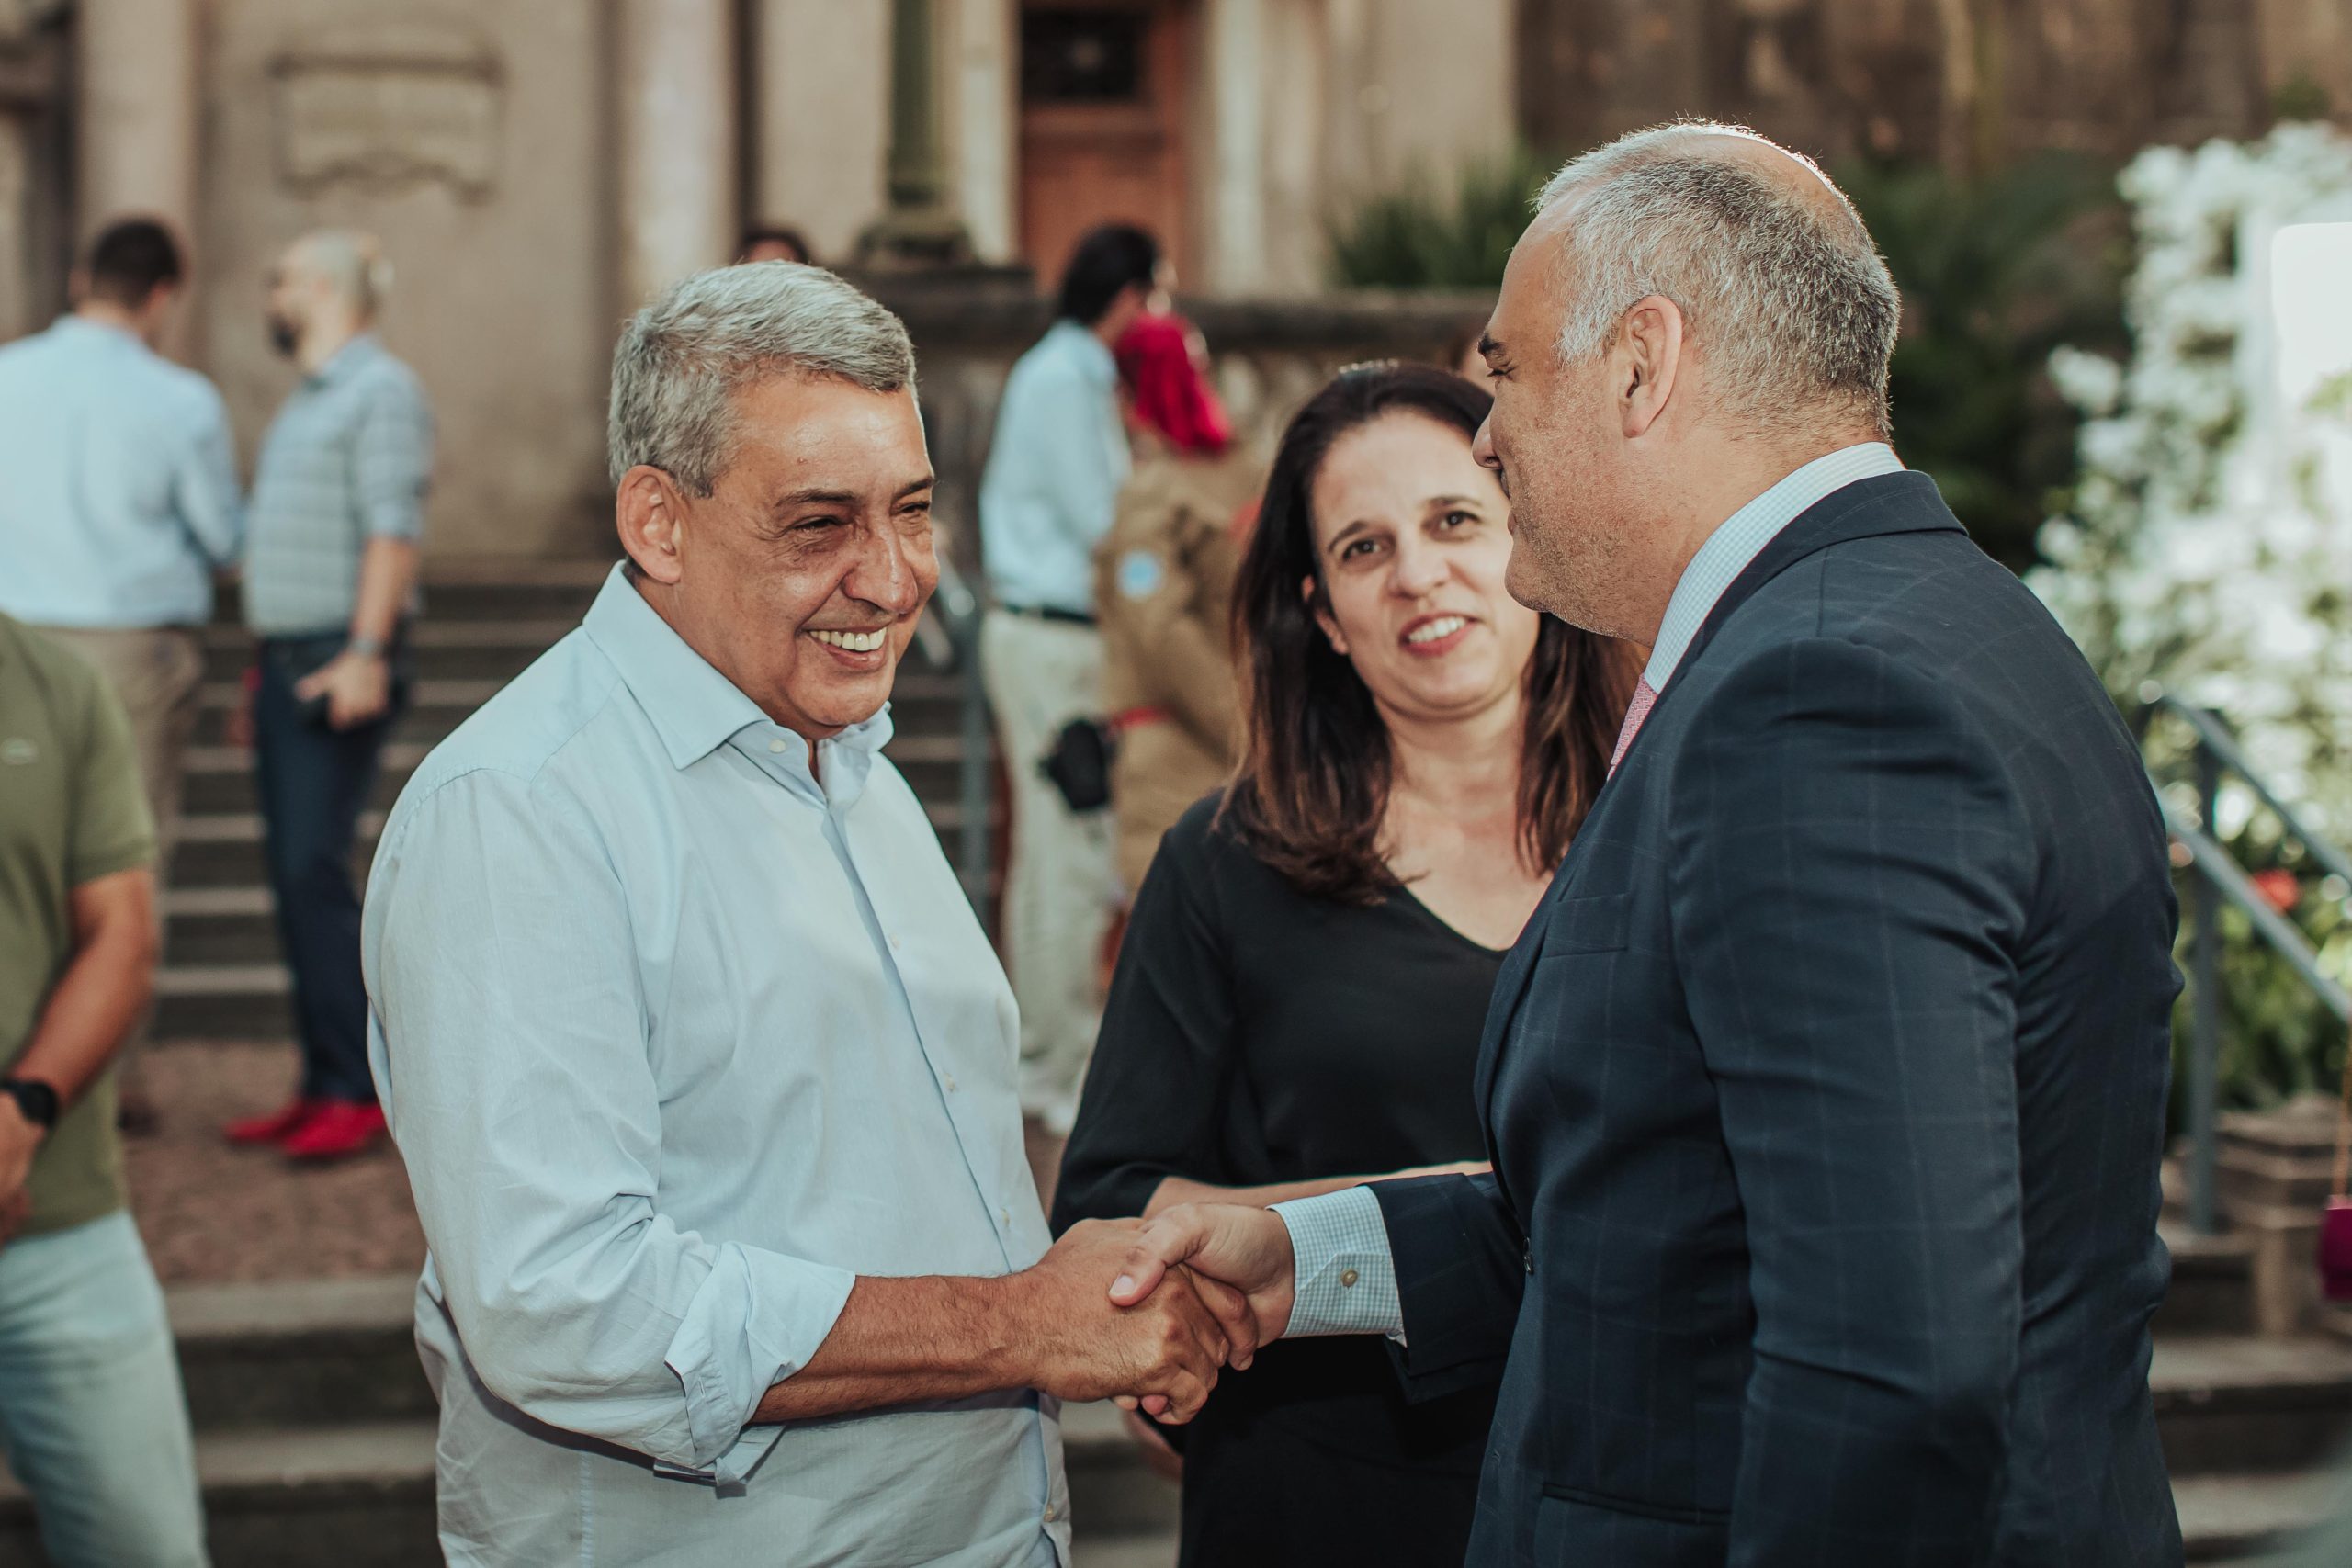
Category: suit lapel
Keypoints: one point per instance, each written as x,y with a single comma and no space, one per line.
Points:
1510,986
1908,503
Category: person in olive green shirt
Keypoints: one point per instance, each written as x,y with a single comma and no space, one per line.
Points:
92,1418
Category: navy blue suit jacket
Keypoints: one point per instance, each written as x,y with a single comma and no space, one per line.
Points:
1826,1093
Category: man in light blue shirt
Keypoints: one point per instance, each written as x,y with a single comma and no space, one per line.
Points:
700,1062
331,575
1056,463
120,503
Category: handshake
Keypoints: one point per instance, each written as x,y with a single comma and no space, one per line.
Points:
1145,1313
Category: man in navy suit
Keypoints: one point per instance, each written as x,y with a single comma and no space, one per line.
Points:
1826,1090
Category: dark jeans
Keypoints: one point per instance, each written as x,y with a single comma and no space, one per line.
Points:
315,781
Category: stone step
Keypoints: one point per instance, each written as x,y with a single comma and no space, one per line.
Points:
2213,1283
315,1435
485,589
224,848
2241,1402
357,1496
300,1352
2238,1517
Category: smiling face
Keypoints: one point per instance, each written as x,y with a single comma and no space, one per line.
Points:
1412,538
801,576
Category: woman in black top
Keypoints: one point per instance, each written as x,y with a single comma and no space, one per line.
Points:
1300,997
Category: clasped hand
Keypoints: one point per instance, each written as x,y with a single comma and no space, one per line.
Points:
1199,1288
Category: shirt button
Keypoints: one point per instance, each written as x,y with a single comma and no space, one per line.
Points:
949,1079
1004,1216
1348,1276
775,746
1052,1513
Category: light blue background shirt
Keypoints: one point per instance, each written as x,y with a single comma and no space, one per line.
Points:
1055,467
677,1038
1346,1277
120,496
346,460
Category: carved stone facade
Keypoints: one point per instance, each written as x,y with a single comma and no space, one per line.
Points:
1965,82
536,167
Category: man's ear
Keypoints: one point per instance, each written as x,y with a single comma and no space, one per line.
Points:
650,514
1323,618
1650,351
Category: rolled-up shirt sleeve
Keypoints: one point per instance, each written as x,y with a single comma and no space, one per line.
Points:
392,460
510,1047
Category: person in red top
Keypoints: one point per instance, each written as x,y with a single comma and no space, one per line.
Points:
1164,589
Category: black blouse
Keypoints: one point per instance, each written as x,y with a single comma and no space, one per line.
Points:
1255,1035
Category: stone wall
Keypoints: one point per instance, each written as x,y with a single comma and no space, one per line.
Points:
473,141
1959,80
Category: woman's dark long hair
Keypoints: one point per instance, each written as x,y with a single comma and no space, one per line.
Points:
1312,792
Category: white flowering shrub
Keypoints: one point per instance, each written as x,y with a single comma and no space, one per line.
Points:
2205,544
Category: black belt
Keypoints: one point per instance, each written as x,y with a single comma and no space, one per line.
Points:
1048,612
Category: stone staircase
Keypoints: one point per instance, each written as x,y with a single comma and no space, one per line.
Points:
222,975
2253,1373
315,1438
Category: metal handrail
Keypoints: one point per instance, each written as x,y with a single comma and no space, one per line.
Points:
2219,878
2216,738
950,635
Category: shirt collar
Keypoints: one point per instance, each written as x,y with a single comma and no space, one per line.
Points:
1087,351
345,360
696,710
1742,537
74,325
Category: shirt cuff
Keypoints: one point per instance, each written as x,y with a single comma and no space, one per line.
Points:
757,1319
1346,1280
401,522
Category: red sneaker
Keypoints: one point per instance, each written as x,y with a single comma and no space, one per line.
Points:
273,1127
339,1128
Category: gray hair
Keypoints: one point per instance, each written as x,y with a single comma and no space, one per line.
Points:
354,265
1793,305
682,359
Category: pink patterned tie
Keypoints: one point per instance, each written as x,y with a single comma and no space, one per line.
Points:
1643,696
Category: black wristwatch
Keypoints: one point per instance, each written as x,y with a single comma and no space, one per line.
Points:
36,1100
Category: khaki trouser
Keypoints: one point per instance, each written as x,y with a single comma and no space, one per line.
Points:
1059,893
155,671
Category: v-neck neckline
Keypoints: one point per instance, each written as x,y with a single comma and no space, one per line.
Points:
1404,891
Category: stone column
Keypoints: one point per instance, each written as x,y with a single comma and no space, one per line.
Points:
920,230
983,163
17,302
678,175
1236,248
135,65
820,117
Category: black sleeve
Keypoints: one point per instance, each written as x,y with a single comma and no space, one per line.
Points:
1155,1091
1461,1270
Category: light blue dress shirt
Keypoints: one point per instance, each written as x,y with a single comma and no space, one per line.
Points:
121,490
1346,1278
1055,467
678,1037
346,460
